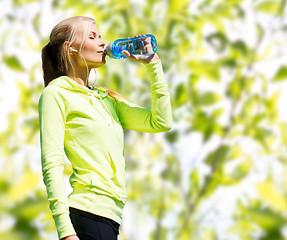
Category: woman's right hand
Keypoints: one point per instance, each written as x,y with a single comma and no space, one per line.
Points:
72,237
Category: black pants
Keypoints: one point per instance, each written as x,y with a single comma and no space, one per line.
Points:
92,227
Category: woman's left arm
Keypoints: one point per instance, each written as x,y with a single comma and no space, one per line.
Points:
156,119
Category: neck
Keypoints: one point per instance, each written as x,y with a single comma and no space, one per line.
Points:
79,74
79,80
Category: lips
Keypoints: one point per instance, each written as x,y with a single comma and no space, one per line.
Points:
101,52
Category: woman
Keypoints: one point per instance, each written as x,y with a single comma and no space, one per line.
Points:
86,124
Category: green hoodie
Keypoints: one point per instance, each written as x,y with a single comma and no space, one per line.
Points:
87,126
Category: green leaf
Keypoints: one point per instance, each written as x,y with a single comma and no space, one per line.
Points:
116,82
22,2
271,7
176,6
205,124
209,233
27,183
159,234
239,49
207,99
180,95
281,74
13,63
249,229
217,40
37,22
234,88
206,69
228,62
194,179
235,152
241,170
217,113
283,130
29,209
11,235
260,31
273,196
3,38
264,218
172,136
224,10
172,171
220,155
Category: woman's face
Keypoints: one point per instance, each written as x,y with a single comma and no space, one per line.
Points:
93,51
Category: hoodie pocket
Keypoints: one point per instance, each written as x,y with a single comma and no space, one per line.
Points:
113,166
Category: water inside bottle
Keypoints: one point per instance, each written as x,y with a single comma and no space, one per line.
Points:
143,45
137,46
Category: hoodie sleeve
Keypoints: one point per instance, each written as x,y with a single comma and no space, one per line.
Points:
156,119
52,131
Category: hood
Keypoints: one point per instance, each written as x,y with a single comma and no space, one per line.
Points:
69,84
96,92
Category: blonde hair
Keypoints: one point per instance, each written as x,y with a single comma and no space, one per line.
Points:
55,61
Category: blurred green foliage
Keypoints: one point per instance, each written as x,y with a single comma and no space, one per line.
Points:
224,63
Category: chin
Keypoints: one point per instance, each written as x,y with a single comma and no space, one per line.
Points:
102,62
99,64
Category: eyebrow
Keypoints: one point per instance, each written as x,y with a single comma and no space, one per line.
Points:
95,33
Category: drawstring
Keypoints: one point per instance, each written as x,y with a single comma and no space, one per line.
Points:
93,93
102,102
100,96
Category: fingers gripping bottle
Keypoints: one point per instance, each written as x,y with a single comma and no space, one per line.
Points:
144,44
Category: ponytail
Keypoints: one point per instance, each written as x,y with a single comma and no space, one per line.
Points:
50,63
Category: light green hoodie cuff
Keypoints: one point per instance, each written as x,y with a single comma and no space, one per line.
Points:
154,67
157,78
64,225
156,72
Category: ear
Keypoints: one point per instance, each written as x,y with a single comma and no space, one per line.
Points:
66,46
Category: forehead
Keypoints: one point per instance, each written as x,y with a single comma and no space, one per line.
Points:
86,28
93,28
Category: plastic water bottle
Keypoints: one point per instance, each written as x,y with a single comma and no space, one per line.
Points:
145,44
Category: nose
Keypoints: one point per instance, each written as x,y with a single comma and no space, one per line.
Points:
102,44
